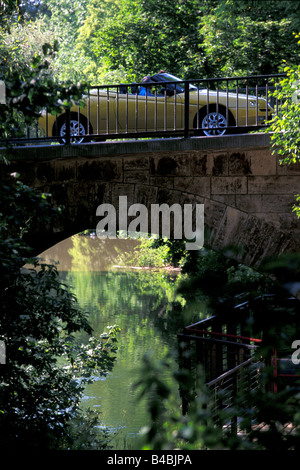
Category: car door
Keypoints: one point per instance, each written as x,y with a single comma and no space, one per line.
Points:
101,110
159,112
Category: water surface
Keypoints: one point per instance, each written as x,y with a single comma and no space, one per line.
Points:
140,303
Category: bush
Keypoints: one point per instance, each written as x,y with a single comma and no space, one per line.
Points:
46,370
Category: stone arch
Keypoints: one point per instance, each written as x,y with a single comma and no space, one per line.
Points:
247,196
225,227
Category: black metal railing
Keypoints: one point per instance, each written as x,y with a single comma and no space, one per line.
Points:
184,108
241,381
231,368
217,346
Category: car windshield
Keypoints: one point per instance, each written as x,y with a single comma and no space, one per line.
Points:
167,77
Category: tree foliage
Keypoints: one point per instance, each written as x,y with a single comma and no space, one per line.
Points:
284,127
112,41
46,370
285,131
193,39
31,87
266,420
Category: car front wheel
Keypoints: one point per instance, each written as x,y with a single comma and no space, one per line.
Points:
213,122
78,129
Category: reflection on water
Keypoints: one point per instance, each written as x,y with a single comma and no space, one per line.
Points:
84,253
140,303
133,302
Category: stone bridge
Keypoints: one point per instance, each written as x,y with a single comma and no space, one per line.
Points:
247,195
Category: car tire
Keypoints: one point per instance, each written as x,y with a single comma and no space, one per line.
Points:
212,120
77,134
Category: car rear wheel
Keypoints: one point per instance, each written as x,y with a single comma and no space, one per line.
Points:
78,129
213,122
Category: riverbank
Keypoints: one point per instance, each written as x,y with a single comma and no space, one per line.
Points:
150,268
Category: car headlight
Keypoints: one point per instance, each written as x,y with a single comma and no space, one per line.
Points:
252,102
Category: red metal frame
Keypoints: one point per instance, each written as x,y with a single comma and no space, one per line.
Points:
254,340
274,358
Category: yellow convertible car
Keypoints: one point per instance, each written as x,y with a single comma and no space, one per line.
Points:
157,105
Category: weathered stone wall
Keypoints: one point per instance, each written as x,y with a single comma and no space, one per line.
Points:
247,195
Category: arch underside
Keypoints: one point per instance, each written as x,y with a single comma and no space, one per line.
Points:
247,238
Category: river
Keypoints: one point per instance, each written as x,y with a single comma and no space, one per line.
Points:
138,301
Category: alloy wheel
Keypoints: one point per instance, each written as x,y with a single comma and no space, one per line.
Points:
77,130
215,123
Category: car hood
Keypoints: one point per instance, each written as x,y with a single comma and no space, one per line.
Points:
223,96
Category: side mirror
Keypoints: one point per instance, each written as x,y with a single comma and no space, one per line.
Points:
168,89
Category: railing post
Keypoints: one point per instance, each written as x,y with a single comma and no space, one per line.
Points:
184,364
67,136
186,110
234,418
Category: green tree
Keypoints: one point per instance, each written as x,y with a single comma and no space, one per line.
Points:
284,127
113,41
45,368
94,62
40,388
276,425
8,8
192,39
64,19
30,87
141,36
22,37
239,45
